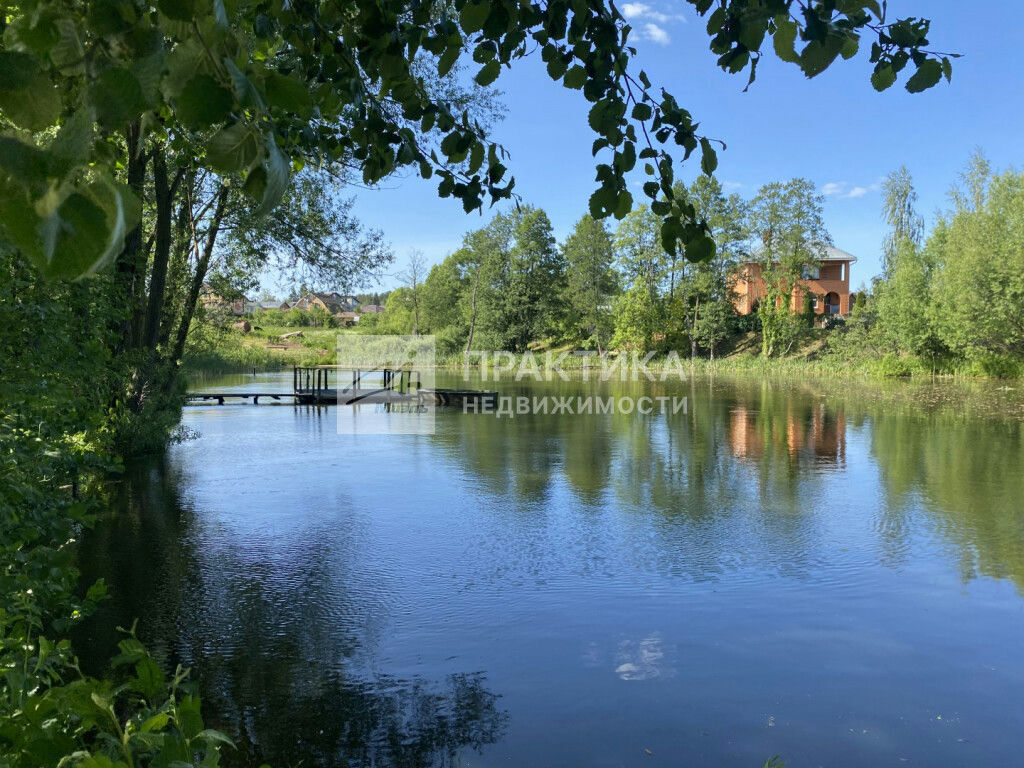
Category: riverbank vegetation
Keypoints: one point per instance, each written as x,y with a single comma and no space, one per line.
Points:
946,303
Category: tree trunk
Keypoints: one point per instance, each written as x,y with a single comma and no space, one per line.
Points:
693,329
189,307
472,314
161,252
130,265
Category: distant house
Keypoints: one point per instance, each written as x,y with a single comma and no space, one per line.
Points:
347,318
828,285
332,303
271,304
210,299
371,309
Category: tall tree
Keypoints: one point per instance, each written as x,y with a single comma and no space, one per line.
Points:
412,276
591,280
979,251
640,311
700,296
905,320
906,227
789,235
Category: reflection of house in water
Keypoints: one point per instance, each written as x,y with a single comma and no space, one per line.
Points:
799,429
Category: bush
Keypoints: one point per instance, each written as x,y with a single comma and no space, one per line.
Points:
833,322
894,366
746,323
992,365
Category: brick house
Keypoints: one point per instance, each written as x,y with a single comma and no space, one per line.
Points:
828,285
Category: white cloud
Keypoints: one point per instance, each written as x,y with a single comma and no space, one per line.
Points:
845,191
650,22
632,10
656,34
645,11
730,186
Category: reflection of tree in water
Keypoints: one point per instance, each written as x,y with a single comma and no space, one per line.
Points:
284,717
970,475
272,630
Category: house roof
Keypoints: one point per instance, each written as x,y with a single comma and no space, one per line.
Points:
837,254
829,253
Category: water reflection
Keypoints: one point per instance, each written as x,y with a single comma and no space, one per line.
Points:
269,628
771,551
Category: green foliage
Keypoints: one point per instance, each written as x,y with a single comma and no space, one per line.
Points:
979,247
60,386
591,282
257,93
787,220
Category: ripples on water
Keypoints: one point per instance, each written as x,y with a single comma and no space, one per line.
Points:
829,573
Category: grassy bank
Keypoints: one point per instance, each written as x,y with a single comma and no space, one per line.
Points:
271,348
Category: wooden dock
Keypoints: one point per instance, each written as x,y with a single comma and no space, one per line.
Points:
314,386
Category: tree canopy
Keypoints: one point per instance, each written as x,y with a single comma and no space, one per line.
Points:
251,92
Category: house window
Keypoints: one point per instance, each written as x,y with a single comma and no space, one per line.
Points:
811,273
814,303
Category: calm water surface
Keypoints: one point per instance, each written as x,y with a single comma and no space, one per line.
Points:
827,572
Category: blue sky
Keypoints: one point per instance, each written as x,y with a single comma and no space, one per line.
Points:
835,130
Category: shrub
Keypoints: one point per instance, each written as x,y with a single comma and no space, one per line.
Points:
993,365
894,366
833,322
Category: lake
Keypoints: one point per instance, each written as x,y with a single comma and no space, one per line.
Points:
830,572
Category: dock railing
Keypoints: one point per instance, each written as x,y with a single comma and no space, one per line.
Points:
315,381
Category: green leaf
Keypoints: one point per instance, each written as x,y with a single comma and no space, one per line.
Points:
33,107
700,248
289,94
785,39
448,58
215,737
149,679
927,75
190,721
17,70
155,723
642,112
234,148
883,77
79,234
117,97
575,77
179,10
818,56
488,73
278,172
203,102
473,16
68,54
624,204
27,165
708,158
245,91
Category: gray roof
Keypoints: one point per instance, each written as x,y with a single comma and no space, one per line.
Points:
837,254
830,253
